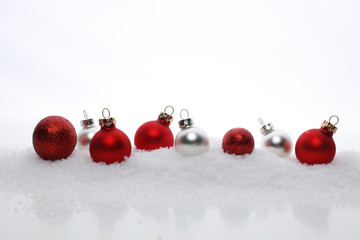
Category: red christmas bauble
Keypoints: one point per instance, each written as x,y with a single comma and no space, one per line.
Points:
238,141
315,146
110,145
153,135
54,138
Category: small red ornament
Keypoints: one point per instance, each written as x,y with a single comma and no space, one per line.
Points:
109,144
54,138
317,146
155,134
238,141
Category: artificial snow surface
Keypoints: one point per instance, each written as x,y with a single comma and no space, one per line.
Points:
163,178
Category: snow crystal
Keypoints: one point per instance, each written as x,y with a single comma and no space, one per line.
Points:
163,178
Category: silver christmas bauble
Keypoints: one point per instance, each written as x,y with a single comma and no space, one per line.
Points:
87,132
191,140
275,140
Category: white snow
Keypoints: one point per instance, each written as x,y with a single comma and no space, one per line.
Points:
164,178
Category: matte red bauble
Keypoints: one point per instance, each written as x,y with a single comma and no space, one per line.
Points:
317,146
54,138
155,134
238,141
109,144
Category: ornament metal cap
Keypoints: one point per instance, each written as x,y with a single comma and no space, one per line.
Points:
266,128
185,122
167,116
330,127
87,122
107,121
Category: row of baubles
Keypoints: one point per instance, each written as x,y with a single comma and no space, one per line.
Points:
109,144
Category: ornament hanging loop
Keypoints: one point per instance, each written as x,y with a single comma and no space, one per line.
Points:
337,119
107,111
172,110
106,121
261,121
87,122
330,127
185,122
265,128
164,116
85,115
187,114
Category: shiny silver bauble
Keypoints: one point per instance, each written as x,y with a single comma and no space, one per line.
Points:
87,132
278,142
192,141
85,135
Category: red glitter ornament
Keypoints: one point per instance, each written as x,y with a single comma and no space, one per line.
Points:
54,138
155,134
109,144
238,141
317,146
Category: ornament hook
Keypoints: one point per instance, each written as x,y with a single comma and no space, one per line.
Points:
107,111
337,119
186,113
171,109
85,115
261,121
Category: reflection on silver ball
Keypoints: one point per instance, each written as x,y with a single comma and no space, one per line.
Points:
85,135
278,142
192,141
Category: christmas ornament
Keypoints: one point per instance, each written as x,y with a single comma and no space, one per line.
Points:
316,146
190,140
54,138
109,144
155,134
238,141
87,132
275,140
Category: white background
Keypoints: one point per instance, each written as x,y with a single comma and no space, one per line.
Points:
292,63
228,62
